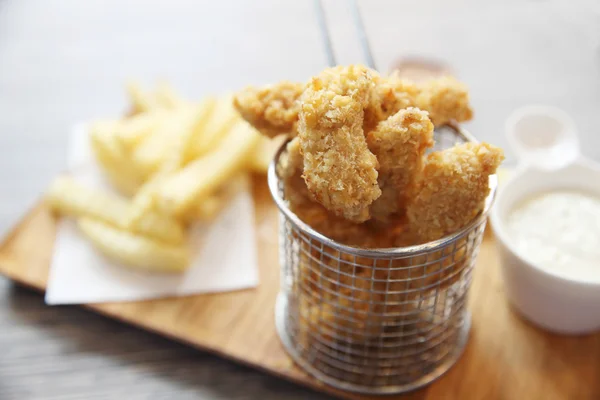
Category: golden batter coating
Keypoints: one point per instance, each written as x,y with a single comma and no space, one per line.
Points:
453,189
300,202
399,144
290,160
339,170
273,109
395,94
446,99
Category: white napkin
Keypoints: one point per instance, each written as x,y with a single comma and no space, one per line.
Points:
224,252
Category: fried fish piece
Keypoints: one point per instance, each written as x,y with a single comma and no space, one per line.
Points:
290,160
399,144
452,189
446,99
301,203
341,80
356,81
339,169
289,169
394,94
273,109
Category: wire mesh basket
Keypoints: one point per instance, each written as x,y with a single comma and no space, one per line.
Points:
375,321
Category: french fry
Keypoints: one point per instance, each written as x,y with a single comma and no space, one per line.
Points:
191,132
211,205
180,161
169,146
190,129
264,153
222,119
141,100
166,96
205,210
133,250
131,131
68,197
203,176
143,202
113,159
151,153
105,127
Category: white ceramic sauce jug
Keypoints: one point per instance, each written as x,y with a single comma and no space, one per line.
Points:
547,145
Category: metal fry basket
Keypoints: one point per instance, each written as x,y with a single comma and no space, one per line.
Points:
375,321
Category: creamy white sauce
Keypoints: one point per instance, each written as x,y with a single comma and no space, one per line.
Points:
560,232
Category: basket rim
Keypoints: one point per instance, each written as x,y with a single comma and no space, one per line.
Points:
273,182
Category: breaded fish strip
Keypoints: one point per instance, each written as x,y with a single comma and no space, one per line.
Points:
300,202
446,99
289,169
290,161
399,144
339,169
394,94
349,80
356,81
273,109
453,188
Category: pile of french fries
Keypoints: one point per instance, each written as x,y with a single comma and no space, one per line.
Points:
173,162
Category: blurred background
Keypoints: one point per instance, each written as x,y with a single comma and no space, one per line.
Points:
66,61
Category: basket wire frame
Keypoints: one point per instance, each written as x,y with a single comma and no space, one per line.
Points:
375,321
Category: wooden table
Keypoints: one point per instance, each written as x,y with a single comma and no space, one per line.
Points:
62,61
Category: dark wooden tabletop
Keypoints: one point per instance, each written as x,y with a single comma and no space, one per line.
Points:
69,353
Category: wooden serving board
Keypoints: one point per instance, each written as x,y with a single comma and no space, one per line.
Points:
506,358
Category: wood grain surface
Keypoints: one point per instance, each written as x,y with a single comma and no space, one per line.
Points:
506,358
